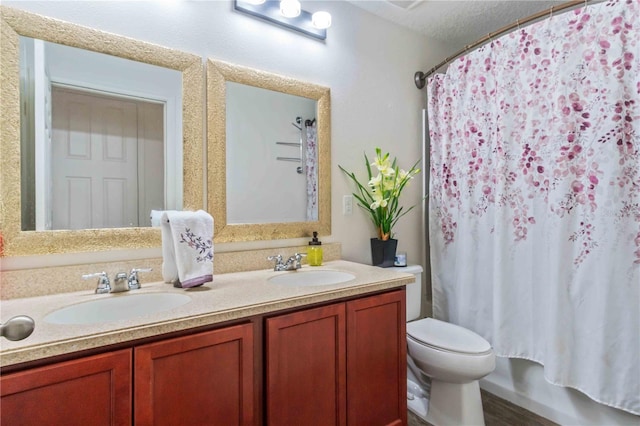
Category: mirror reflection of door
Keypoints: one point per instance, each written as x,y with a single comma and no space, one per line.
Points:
107,160
156,93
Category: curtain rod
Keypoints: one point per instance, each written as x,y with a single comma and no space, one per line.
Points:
420,77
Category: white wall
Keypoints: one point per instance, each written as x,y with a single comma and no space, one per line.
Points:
367,62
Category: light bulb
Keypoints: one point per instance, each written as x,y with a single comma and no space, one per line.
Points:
290,8
321,20
255,2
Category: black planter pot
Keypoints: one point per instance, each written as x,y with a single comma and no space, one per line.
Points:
383,253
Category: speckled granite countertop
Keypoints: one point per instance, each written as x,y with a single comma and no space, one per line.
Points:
229,297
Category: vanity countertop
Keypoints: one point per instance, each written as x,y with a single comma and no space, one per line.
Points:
229,297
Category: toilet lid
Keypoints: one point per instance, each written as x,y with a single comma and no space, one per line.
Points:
447,336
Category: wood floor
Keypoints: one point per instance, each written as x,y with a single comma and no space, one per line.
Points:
498,412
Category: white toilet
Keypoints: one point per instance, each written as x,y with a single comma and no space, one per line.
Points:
444,363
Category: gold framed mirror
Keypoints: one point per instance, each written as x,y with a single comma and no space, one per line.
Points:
219,76
15,23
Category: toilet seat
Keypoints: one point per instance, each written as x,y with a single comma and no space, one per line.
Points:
443,336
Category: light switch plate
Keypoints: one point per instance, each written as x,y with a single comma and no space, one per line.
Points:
347,205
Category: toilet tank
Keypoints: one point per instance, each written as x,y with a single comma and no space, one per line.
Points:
414,290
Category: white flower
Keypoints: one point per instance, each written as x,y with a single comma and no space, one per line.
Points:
379,201
381,193
375,182
383,165
389,184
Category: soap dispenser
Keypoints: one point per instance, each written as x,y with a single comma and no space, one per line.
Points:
314,253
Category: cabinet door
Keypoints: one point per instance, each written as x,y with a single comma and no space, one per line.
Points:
201,379
377,360
94,390
305,362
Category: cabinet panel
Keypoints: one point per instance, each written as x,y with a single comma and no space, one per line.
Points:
305,362
94,390
376,360
205,378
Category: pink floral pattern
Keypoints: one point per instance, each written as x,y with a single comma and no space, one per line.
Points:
204,246
542,119
534,197
311,168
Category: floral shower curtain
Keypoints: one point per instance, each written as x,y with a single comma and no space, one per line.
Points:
534,204
311,169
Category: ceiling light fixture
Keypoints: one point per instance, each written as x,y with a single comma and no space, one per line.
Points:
321,20
290,8
289,14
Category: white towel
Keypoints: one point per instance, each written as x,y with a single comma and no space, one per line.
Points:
156,217
187,248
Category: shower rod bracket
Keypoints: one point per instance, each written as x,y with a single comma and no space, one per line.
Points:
420,78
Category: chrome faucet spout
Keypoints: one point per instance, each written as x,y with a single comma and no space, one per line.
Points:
120,283
292,264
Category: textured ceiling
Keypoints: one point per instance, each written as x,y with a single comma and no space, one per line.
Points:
458,23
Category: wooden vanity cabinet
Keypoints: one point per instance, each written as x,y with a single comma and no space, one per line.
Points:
342,363
339,364
95,390
205,378
200,379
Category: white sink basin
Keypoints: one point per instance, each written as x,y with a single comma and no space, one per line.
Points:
307,278
116,307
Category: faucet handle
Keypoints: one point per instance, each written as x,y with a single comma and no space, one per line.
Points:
104,286
133,282
298,258
278,258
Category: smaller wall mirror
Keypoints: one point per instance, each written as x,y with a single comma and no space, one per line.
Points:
269,155
20,234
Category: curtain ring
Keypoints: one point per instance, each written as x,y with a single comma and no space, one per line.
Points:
518,22
551,12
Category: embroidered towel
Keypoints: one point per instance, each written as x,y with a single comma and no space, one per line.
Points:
187,248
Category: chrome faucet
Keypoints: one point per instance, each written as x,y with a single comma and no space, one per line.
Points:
121,282
292,264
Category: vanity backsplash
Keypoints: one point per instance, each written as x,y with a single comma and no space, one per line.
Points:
62,279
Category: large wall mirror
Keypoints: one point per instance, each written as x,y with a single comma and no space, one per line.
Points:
97,130
268,155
